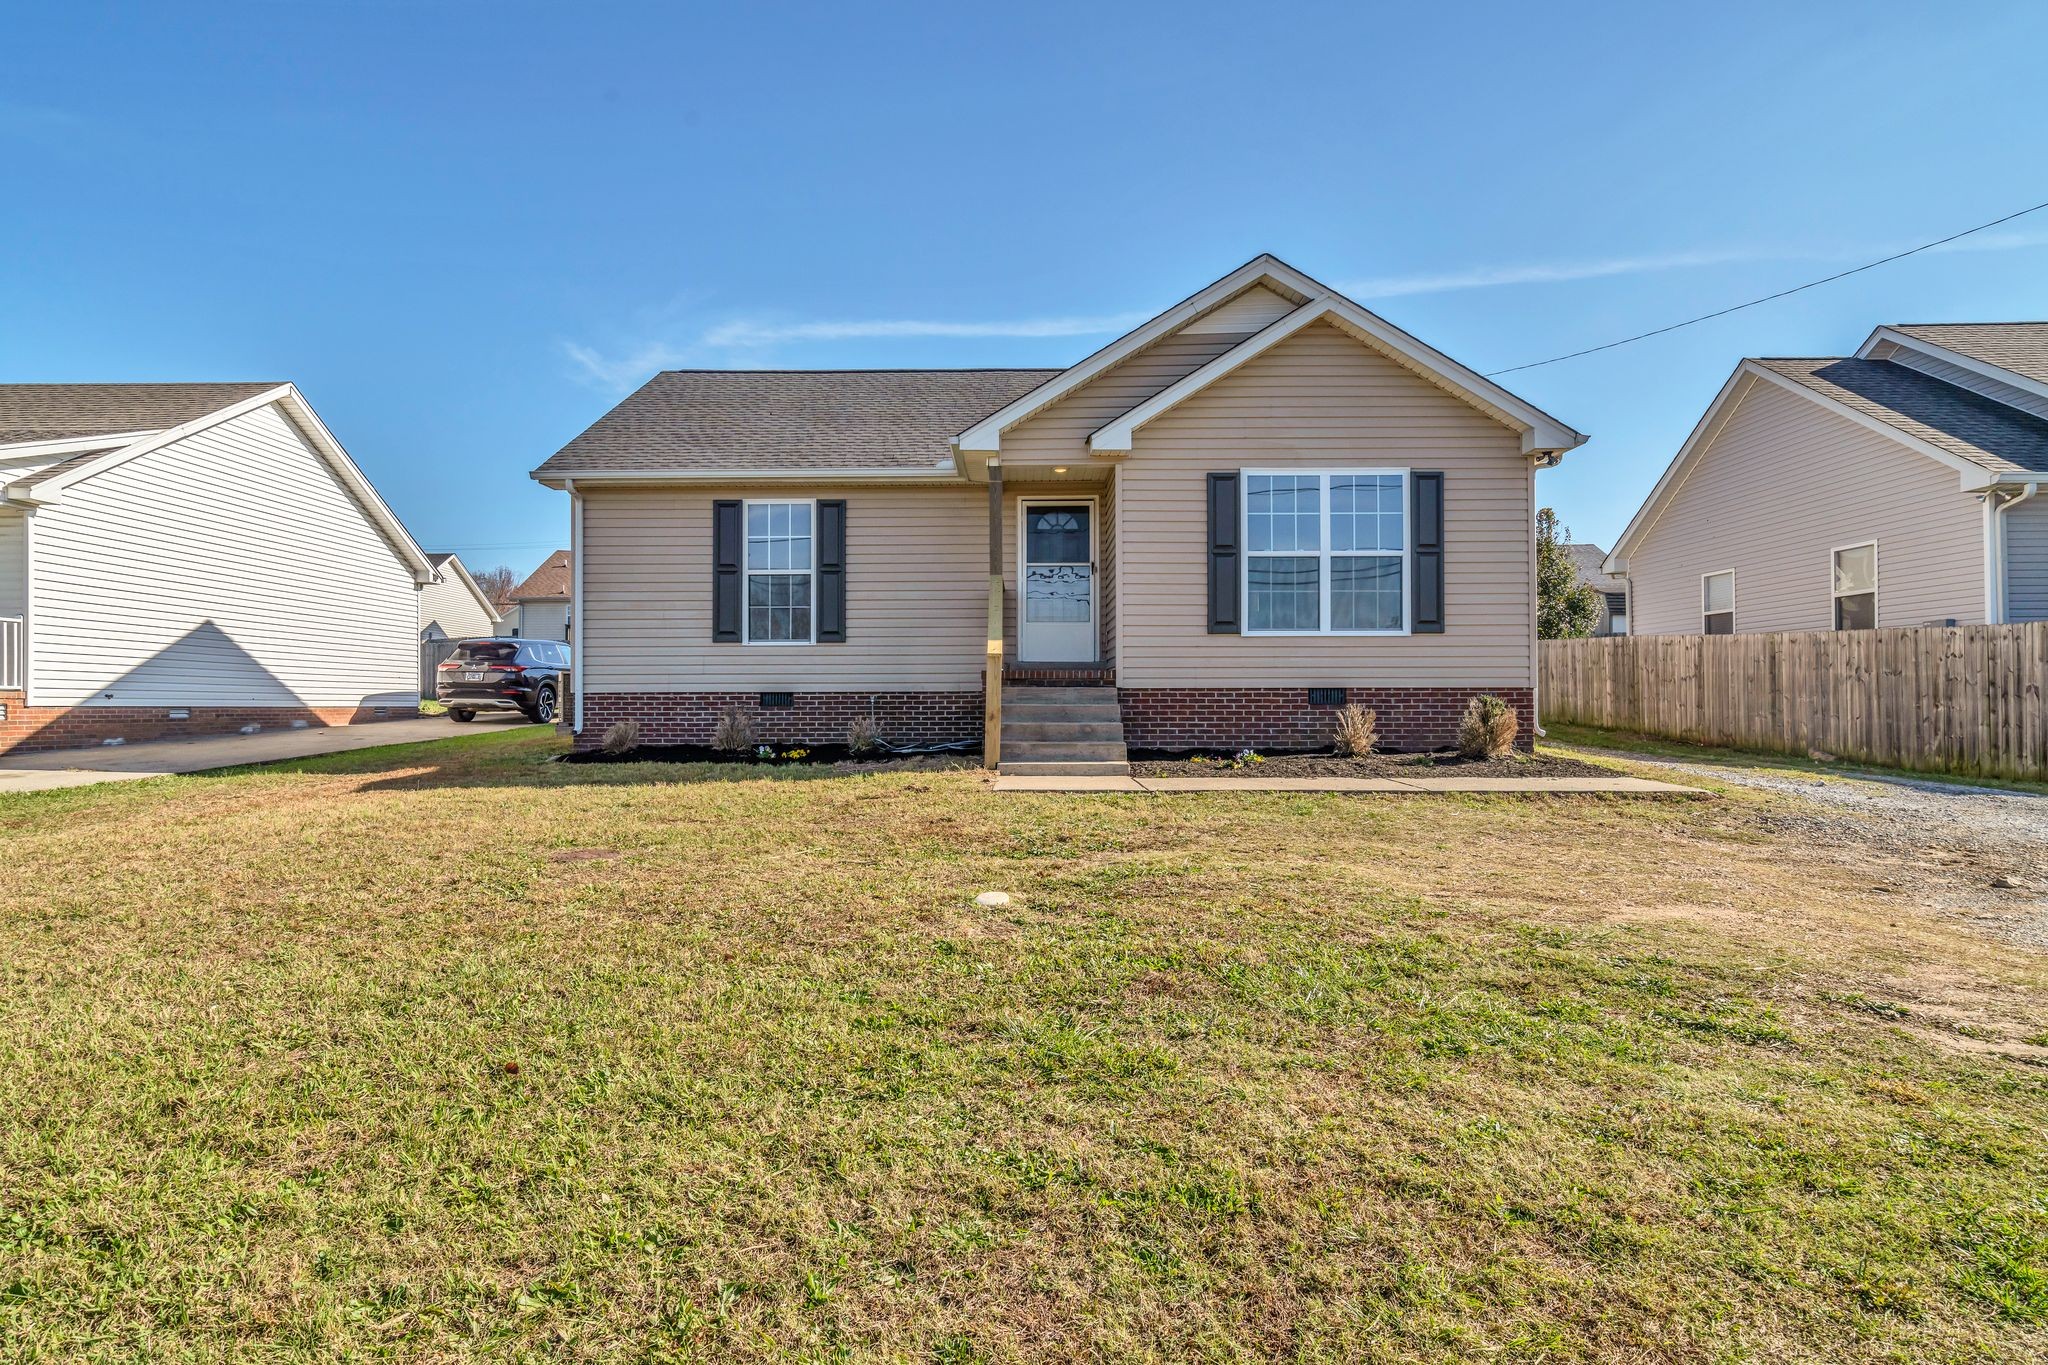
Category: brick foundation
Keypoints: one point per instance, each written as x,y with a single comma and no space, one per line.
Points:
812,718
1410,718
75,727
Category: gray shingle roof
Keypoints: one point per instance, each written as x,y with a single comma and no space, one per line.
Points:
56,412
791,419
1587,559
2021,347
1979,429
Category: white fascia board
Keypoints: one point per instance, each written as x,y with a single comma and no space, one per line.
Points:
295,406
21,451
1541,433
1955,358
986,436
944,473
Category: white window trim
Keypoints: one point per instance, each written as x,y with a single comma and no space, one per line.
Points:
1732,599
747,571
1835,596
1245,555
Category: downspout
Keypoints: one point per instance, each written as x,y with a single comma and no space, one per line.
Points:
1996,567
575,606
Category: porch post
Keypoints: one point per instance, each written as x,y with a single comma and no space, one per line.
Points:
992,681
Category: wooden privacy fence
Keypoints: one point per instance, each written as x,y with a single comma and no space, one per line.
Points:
1966,699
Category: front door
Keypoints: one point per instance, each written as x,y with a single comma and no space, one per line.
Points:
1056,623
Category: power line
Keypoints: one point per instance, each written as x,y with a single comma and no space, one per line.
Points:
1782,293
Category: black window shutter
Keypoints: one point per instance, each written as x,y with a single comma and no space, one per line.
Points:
1426,511
832,572
1223,577
728,543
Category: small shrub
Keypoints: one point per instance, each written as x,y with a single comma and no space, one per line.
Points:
735,732
1488,729
623,737
764,752
1356,731
863,736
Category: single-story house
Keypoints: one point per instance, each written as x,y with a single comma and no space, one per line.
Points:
452,608
1591,563
1260,504
541,604
191,558
1899,486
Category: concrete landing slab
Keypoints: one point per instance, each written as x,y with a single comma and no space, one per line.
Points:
1383,786
49,769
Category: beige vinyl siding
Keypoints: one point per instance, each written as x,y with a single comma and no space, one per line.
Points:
13,560
1322,400
2026,560
916,595
1061,431
230,568
543,620
1772,494
1052,490
450,608
1949,372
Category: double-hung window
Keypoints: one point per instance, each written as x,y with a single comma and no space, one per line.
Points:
1717,603
1326,552
1855,587
780,570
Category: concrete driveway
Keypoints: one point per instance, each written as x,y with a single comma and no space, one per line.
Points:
125,762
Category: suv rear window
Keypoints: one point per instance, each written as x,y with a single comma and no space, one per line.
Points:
486,652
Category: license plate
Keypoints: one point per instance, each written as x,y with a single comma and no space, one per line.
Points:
472,677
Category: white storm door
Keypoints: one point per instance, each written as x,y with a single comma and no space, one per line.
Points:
1056,582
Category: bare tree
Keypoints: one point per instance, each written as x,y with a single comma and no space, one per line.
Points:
497,584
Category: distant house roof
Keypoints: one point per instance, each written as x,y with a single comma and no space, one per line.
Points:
745,420
1588,559
549,583
1984,431
60,412
2021,347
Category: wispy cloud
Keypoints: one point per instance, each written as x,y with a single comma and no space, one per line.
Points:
745,333
1555,272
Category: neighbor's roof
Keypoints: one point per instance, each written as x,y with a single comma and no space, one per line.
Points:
1590,561
58,412
2021,347
1984,431
548,582
742,420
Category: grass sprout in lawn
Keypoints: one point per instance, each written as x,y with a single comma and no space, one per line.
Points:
448,1052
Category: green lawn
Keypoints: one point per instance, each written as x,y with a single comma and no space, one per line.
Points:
445,1052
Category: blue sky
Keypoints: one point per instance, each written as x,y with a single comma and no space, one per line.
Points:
465,229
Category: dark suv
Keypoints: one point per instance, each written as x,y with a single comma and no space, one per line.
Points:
504,675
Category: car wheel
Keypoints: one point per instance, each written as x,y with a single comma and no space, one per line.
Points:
455,713
544,705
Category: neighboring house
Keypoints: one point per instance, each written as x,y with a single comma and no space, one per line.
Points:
1259,504
1590,561
1895,487
191,558
452,608
541,605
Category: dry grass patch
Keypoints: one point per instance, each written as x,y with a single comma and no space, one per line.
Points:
447,1052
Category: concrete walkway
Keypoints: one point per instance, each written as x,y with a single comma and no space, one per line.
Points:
1398,786
52,768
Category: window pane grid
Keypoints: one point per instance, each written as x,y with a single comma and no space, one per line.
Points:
779,572
1326,553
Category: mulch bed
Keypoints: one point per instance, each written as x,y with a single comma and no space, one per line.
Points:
1153,763
815,756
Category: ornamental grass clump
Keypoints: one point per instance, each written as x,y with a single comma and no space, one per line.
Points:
863,736
1488,728
1356,731
622,738
735,732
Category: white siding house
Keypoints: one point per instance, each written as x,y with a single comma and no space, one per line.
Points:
189,570
453,607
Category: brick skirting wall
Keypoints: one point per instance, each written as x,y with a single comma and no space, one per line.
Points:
1410,718
73,727
811,718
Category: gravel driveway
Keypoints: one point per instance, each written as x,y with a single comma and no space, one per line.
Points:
1980,852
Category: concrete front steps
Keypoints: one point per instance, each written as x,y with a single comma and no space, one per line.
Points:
1062,732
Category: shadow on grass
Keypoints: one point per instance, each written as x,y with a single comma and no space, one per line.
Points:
1656,748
